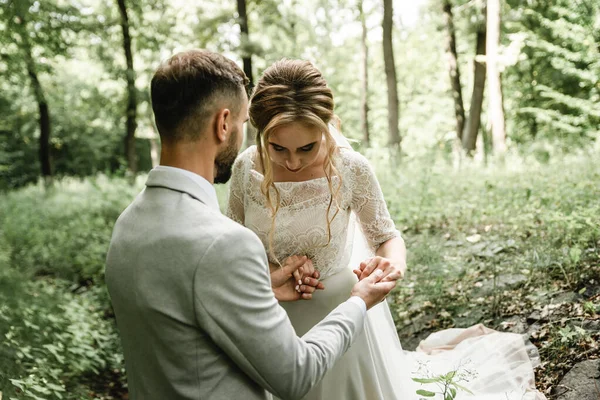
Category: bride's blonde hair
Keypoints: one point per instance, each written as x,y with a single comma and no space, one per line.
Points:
293,91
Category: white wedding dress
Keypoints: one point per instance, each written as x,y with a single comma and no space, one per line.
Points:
488,364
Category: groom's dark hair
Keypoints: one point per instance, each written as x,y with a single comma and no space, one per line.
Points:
189,87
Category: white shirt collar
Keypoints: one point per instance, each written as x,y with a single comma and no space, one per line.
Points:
200,180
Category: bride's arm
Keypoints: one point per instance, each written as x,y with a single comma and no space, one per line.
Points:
377,225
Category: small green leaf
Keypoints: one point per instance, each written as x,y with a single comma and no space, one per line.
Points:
449,376
452,393
575,254
425,380
425,393
464,389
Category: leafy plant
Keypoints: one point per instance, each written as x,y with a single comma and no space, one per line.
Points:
448,384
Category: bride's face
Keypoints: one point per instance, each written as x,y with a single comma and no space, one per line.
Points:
295,146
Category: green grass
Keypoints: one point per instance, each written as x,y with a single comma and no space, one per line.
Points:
493,245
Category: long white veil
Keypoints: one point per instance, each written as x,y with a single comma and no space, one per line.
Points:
340,140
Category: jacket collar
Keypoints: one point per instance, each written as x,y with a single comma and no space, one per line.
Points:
174,180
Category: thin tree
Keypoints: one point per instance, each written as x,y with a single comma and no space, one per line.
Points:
364,99
38,91
474,119
453,70
247,60
496,110
390,73
131,111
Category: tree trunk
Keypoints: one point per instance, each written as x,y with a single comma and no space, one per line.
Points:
247,60
533,126
44,143
390,74
486,141
474,120
496,112
364,99
40,97
459,110
131,124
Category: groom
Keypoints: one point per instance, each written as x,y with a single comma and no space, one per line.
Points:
191,289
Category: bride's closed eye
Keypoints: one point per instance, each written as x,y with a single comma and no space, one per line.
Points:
308,147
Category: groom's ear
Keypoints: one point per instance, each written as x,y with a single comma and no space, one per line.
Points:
223,125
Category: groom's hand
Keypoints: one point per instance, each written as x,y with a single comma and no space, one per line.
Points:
373,289
285,284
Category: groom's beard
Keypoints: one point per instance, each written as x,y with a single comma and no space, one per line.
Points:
225,159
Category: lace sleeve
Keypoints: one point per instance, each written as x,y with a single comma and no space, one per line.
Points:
368,202
237,189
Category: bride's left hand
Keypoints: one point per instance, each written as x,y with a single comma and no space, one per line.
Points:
391,270
288,285
305,271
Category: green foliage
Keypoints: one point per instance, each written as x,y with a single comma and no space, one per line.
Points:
52,337
550,81
554,86
85,103
448,385
18,155
568,334
56,326
590,308
64,233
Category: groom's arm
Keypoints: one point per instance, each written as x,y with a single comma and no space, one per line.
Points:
235,305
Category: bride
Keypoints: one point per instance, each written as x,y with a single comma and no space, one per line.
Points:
304,191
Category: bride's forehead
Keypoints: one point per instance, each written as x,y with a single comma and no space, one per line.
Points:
295,135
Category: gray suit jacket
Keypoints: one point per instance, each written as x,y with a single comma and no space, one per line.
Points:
194,306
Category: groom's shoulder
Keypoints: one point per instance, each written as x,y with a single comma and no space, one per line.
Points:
230,236
232,245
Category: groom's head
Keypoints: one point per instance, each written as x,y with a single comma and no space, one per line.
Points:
200,97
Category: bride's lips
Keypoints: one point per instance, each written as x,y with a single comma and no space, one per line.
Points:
293,170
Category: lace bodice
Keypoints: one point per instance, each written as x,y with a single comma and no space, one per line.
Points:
301,224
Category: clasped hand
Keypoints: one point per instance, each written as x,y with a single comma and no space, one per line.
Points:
391,271
295,279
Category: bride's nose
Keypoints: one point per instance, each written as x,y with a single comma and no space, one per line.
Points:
293,163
